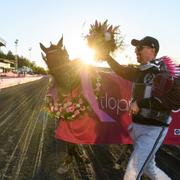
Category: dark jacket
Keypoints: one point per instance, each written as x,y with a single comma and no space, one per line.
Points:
153,110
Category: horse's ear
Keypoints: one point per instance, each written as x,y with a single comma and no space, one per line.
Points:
60,43
44,58
43,47
65,50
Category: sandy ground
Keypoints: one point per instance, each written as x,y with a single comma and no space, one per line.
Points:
28,150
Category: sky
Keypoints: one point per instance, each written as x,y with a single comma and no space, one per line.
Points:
43,21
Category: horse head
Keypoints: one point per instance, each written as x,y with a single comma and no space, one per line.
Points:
55,56
61,68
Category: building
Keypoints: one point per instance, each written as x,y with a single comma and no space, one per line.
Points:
6,65
2,42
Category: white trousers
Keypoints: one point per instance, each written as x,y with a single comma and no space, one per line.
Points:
146,142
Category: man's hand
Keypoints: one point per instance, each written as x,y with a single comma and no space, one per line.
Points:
106,57
134,109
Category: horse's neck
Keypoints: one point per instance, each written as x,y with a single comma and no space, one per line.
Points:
67,77
67,83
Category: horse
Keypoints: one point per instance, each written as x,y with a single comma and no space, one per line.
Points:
66,78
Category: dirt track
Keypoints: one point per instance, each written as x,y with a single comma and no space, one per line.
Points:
28,149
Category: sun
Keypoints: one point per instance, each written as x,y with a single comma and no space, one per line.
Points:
82,51
87,55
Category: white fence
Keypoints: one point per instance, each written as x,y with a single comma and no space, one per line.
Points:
7,82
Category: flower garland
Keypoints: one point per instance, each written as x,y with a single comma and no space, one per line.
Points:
71,108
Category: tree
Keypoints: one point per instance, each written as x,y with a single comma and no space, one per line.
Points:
10,56
23,62
2,55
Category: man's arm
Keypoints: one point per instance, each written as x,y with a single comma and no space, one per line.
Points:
129,73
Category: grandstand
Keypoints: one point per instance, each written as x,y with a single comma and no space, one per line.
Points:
2,42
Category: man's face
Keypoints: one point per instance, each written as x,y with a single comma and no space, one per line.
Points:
144,54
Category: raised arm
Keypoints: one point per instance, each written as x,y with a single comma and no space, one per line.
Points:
129,73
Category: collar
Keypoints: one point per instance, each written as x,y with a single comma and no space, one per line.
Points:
150,64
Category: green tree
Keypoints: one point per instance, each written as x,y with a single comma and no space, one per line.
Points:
10,56
2,55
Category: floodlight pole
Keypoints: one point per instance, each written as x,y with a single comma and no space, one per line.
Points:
16,58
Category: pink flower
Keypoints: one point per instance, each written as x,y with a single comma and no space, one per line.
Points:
69,103
107,36
55,109
71,108
76,112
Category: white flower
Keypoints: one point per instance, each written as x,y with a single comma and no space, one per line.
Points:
107,36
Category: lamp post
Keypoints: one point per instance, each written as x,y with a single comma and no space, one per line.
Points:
16,59
30,53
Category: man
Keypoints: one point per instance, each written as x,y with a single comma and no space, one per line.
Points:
150,114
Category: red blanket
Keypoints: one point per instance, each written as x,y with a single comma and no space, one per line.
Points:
114,100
